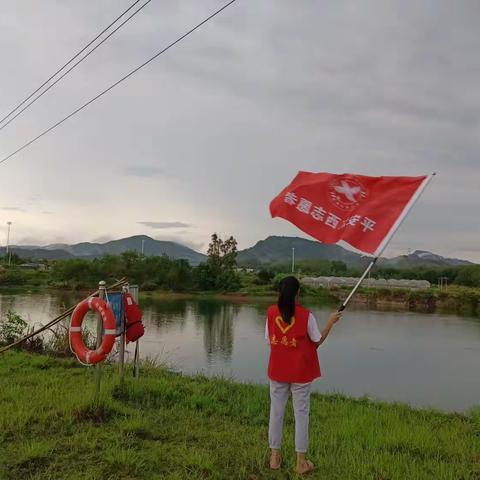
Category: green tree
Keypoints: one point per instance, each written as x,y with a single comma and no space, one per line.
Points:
203,277
468,276
264,277
338,267
12,259
179,277
219,271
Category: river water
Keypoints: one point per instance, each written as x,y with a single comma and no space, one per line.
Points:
415,358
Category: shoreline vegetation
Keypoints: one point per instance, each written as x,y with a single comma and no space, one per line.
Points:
220,276
165,425
457,299
460,300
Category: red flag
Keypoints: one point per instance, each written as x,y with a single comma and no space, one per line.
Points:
359,210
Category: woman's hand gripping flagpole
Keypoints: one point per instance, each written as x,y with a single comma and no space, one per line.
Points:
332,320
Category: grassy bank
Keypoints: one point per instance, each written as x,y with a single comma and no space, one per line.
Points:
167,426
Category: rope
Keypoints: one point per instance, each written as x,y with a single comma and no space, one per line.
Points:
57,319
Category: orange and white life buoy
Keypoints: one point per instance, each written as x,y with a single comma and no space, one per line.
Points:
78,347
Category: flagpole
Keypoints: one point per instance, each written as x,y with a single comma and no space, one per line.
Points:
388,237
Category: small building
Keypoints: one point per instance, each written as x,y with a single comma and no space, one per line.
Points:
33,266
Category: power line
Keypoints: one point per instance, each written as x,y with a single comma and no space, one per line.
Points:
68,63
74,65
118,82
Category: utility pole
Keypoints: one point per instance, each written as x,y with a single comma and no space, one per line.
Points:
143,245
8,253
293,259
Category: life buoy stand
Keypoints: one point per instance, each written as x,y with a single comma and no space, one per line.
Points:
78,347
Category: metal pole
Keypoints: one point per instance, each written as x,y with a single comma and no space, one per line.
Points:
9,257
122,342
293,259
355,288
136,358
98,371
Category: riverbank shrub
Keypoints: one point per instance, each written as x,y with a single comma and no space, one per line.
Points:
12,327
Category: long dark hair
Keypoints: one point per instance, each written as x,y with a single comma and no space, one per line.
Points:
288,289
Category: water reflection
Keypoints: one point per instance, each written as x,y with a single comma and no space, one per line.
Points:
216,320
163,313
421,359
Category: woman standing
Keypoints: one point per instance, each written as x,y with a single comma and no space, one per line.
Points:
294,336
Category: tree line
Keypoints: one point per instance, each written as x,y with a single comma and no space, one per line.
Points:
464,275
219,272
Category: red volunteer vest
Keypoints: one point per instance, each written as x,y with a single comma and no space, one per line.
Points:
293,356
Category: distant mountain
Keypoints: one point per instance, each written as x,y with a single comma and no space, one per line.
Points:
38,253
273,249
423,258
87,250
279,250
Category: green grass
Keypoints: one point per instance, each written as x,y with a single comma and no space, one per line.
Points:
168,426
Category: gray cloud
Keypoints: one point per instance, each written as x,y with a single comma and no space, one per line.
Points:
143,171
165,225
13,209
197,246
103,239
266,89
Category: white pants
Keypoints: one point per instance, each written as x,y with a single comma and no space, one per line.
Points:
279,393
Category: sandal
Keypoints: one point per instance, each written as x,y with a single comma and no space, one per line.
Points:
305,467
275,461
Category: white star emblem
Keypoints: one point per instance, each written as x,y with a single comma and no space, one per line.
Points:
348,191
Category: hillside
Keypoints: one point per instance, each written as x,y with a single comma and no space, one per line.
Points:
273,249
87,250
423,258
38,253
279,250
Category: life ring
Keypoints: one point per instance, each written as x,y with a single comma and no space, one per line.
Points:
78,347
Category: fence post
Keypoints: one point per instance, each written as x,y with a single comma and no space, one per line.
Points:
98,366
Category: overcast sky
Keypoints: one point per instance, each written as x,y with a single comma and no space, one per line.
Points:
203,138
